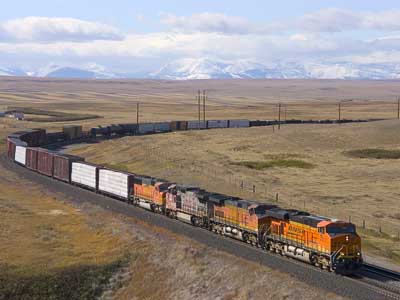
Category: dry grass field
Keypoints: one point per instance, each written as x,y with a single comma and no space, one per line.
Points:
52,249
323,178
306,165
160,100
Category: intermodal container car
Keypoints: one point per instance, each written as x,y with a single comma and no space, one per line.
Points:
217,124
85,174
32,158
162,127
146,128
56,137
129,129
193,125
238,123
73,131
63,165
45,164
257,123
116,183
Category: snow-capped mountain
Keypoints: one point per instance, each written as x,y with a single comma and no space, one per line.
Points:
12,72
205,68
89,71
190,68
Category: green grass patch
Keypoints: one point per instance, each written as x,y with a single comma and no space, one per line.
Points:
374,153
276,163
79,282
54,116
281,156
120,167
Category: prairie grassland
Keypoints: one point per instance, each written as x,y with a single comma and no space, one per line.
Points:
333,184
116,100
51,249
337,185
54,250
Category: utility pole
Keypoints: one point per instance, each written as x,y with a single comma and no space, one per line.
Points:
137,114
279,116
204,107
199,106
398,107
340,112
285,111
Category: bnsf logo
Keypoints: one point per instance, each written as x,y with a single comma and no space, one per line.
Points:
295,229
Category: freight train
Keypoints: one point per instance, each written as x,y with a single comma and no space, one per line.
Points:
324,242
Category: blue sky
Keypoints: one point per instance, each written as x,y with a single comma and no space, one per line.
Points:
122,13
125,35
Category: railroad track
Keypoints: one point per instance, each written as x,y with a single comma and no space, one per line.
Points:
382,278
389,274
373,283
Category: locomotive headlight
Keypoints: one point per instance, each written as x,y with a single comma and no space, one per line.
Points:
358,253
347,238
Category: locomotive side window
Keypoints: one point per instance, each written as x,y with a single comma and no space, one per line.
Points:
348,228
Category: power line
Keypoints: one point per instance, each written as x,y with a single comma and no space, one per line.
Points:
204,106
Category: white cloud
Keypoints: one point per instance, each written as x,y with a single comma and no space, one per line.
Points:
168,45
339,20
385,20
329,20
323,21
216,22
42,29
217,36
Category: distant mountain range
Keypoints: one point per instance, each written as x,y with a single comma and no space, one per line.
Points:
204,68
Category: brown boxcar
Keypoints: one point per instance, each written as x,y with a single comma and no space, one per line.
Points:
62,165
11,148
45,161
178,125
31,158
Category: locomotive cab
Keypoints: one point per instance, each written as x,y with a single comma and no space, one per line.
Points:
344,245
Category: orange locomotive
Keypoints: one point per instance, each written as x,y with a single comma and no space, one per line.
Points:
150,193
240,219
329,244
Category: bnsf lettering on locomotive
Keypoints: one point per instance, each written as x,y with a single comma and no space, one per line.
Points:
295,229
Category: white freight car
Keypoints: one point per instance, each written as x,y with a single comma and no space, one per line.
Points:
192,125
84,174
116,183
239,123
20,155
217,124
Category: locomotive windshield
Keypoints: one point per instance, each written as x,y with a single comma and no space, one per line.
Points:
348,228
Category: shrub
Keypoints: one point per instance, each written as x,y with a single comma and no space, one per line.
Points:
280,163
374,153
